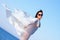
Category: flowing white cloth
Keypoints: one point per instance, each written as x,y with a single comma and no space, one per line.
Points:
22,22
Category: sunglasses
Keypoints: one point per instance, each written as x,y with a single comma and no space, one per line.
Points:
40,14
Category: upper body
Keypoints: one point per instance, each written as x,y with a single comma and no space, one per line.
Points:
32,27
35,23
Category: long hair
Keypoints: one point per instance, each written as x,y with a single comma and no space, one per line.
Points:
38,12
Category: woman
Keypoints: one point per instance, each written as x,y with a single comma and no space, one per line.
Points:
25,25
32,26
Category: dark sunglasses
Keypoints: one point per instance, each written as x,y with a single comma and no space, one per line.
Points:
40,14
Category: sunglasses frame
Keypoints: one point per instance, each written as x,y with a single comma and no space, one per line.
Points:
40,14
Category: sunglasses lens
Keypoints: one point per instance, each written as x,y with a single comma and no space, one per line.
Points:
40,14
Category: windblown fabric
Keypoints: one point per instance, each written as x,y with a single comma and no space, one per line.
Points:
22,21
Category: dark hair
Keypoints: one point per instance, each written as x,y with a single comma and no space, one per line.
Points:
38,12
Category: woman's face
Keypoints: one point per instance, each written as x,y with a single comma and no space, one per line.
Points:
39,15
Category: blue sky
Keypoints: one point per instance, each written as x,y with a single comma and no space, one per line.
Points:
50,28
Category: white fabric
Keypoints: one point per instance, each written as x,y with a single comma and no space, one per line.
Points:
22,22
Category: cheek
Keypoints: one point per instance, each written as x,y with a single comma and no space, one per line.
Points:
39,16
